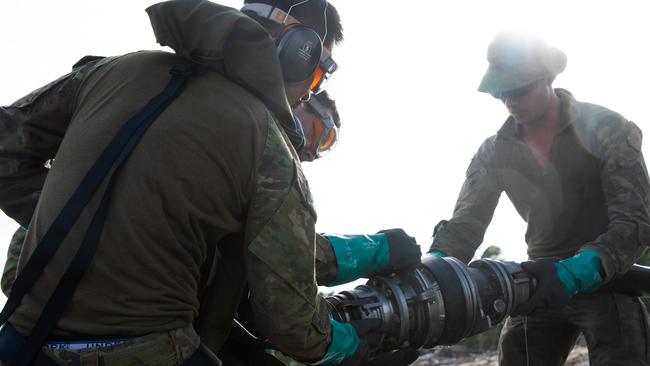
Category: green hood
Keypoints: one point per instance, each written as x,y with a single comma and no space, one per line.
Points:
228,41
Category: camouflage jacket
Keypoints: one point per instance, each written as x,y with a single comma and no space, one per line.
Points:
595,193
11,265
216,172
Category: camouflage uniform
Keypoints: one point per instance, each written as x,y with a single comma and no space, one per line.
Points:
240,348
326,265
594,194
216,173
13,254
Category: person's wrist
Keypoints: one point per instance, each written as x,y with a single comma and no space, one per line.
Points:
580,273
566,278
381,257
344,343
403,250
358,255
437,253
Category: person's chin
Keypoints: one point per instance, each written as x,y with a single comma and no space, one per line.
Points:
295,104
520,118
306,158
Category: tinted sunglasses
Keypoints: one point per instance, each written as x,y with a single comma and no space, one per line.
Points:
515,93
326,132
320,78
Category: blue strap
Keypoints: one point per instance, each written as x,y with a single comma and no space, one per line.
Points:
107,164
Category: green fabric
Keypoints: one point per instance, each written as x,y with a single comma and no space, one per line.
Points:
345,343
437,253
358,255
580,273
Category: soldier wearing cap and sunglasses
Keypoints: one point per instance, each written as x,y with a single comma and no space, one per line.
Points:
575,173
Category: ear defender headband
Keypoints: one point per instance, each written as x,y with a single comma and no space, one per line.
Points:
299,47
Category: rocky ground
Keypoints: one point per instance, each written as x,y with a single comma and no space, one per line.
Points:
578,357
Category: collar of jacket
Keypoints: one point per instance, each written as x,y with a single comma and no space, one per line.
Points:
228,41
511,130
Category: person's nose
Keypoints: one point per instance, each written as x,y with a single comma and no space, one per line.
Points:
509,102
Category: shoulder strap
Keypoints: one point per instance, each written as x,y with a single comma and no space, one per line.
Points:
104,170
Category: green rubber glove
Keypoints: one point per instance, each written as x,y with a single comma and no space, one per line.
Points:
345,343
558,282
437,253
358,255
349,345
580,273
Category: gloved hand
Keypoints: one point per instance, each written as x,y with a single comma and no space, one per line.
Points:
549,292
366,330
558,282
365,255
403,250
437,253
369,336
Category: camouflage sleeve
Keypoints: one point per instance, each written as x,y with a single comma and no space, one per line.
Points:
281,256
31,130
463,233
626,189
13,255
326,265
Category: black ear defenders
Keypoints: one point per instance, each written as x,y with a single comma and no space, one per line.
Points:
299,47
299,51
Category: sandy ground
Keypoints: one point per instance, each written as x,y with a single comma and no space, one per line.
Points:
578,357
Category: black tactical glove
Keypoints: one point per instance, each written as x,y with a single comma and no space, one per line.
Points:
550,292
403,250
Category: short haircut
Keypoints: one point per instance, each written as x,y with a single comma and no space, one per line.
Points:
330,104
310,14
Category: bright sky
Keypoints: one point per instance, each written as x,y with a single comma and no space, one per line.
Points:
406,91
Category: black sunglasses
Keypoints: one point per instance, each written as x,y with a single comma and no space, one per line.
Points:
515,93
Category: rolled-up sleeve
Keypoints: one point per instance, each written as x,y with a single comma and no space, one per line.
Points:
626,188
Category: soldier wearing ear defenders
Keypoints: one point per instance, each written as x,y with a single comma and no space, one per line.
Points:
339,258
575,173
209,197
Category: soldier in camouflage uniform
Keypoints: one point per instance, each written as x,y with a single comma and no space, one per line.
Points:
575,173
217,172
331,267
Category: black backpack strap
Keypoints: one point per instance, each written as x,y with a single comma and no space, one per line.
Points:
105,169
11,341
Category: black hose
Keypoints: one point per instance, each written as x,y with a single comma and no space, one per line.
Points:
634,282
